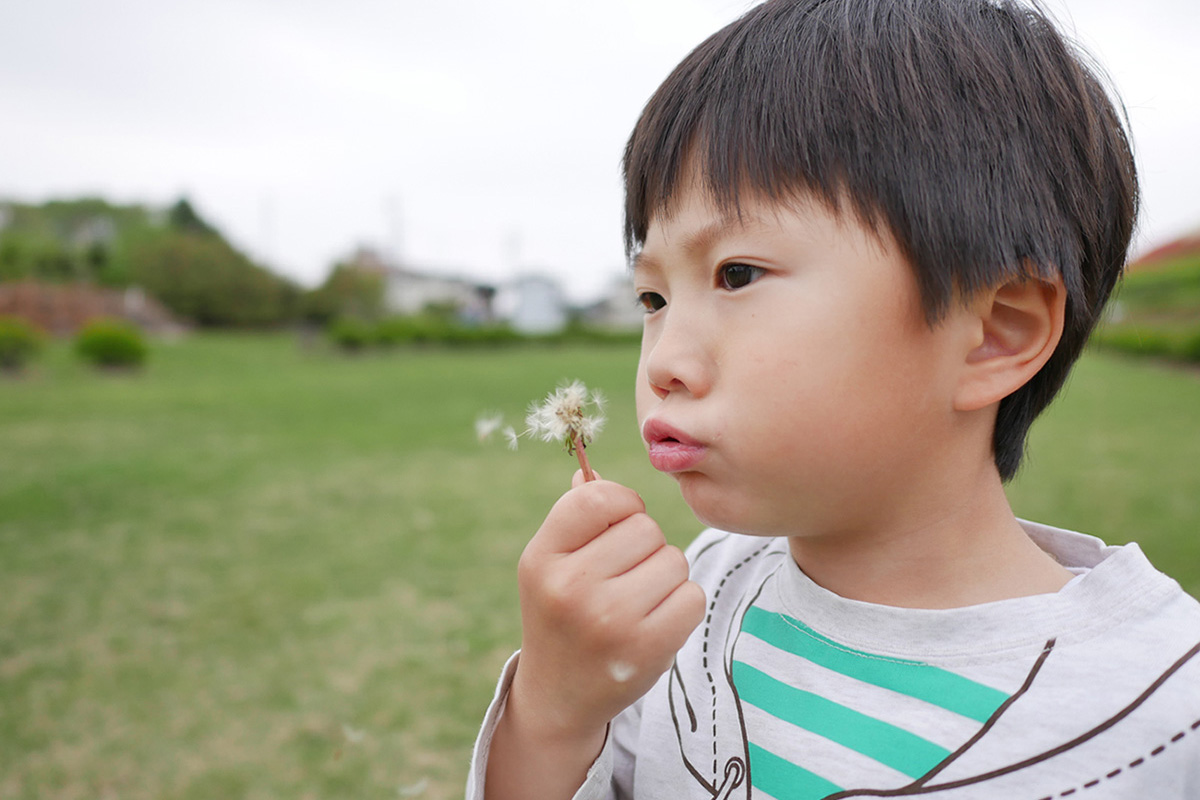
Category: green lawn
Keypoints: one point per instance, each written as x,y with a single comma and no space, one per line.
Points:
256,571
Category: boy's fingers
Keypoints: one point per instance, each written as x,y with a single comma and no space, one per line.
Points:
584,513
674,619
625,545
647,585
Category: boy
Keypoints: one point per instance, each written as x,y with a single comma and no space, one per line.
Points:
870,236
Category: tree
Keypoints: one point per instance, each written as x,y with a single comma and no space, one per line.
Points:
203,278
182,217
349,291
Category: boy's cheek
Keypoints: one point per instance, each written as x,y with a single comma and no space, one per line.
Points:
643,395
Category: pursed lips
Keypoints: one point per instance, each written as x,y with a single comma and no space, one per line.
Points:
670,449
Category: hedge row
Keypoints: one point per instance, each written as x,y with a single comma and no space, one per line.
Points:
1181,345
353,335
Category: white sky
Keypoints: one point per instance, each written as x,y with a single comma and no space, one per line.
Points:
478,137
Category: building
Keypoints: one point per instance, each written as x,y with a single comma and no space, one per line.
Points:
531,304
617,309
534,305
408,291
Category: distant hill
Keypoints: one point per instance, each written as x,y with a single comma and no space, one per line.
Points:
64,240
172,253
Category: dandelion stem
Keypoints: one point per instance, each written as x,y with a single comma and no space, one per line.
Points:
577,446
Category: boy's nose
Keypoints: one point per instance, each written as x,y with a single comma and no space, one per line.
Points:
677,358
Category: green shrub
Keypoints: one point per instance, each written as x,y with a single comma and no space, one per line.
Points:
1178,343
436,330
394,331
1190,349
112,343
351,334
430,329
482,336
19,341
425,328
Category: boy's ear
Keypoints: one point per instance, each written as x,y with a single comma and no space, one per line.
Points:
1016,328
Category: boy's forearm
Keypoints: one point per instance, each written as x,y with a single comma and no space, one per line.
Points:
525,760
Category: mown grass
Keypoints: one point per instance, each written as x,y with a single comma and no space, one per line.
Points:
258,571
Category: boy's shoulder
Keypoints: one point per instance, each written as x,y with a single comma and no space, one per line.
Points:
1119,582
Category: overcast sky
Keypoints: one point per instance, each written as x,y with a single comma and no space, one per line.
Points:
477,137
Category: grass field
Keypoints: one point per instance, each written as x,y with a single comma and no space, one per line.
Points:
255,571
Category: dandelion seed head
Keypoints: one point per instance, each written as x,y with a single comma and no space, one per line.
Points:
571,399
590,427
562,416
544,422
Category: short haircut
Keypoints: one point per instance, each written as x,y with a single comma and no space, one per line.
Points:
985,143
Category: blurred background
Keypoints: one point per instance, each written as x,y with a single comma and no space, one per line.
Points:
263,265
477,140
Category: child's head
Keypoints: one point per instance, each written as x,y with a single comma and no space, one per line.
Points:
966,129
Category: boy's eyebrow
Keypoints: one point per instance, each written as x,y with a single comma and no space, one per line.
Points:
701,240
644,263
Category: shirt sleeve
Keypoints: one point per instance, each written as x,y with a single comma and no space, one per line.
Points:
598,785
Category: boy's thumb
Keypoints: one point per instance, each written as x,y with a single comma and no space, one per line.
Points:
577,479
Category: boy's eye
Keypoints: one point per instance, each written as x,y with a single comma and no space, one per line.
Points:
651,301
735,276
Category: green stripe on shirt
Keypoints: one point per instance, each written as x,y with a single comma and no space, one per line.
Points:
921,681
897,748
783,780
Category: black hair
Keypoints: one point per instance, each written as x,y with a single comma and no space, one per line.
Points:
983,141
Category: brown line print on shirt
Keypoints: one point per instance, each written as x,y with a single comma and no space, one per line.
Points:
1137,762
921,787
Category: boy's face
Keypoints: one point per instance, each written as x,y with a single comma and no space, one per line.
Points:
788,379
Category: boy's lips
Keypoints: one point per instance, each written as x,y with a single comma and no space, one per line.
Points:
670,449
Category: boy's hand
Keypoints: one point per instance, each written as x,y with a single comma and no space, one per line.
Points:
605,605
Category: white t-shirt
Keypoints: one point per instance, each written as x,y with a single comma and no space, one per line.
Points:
789,692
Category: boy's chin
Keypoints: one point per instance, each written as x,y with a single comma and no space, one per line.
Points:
715,509
701,504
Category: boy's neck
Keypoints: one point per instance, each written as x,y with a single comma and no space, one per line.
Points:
971,553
